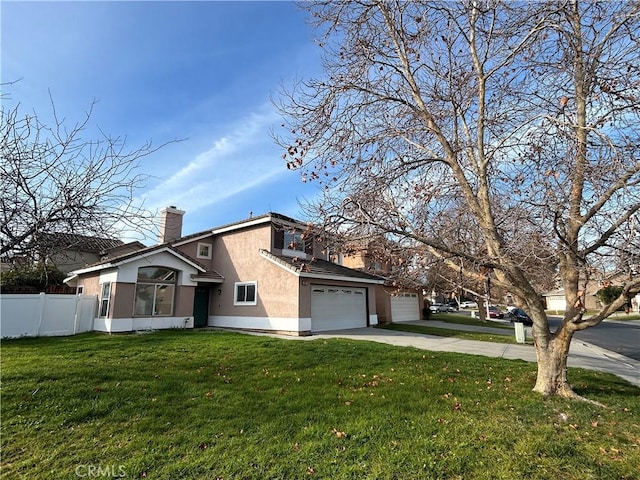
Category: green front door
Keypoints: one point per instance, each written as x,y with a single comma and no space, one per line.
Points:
201,307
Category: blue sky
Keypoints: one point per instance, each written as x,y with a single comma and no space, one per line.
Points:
200,71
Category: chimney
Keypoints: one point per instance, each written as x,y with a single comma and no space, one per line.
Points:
170,224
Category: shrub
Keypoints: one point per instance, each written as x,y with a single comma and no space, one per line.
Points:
38,276
608,294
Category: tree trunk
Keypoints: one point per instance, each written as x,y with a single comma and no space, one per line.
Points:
552,365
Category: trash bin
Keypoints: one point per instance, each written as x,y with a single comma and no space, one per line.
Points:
519,328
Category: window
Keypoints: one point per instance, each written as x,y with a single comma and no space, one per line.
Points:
105,295
294,241
246,293
373,265
204,250
155,291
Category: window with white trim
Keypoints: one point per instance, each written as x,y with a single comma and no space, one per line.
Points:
105,296
246,293
204,250
155,292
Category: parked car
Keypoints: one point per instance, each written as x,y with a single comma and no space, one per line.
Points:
439,308
468,304
495,312
452,306
519,315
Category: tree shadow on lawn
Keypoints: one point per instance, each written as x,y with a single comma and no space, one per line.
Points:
591,384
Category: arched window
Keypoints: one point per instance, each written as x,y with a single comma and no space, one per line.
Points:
155,291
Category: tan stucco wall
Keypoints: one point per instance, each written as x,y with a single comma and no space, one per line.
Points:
183,303
122,300
236,256
90,284
354,260
191,249
383,304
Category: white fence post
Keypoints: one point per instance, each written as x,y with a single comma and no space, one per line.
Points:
41,299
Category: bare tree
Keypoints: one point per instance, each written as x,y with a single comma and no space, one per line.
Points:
502,136
55,181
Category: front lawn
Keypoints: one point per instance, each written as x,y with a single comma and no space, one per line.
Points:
198,404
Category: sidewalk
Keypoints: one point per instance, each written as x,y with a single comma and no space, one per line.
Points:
581,354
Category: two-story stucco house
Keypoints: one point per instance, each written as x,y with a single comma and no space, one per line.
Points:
263,273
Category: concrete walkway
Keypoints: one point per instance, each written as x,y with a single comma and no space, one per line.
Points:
581,354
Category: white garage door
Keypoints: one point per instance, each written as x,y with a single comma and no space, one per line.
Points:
337,308
405,307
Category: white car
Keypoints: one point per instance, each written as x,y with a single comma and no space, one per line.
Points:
438,308
469,304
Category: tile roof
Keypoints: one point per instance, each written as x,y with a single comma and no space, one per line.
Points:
208,276
74,241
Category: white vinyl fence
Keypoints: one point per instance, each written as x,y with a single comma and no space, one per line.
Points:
43,314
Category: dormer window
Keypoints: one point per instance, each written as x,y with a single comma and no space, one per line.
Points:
294,241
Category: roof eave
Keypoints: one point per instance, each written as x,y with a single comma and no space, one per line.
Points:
109,265
295,271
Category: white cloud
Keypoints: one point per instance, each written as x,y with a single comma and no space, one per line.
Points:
240,158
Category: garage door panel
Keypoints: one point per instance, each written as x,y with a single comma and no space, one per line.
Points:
405,307
335,308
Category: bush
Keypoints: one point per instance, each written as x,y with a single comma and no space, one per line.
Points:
38,276
608,294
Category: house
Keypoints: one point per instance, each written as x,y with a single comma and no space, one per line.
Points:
394,303
556,299
70,251
264,273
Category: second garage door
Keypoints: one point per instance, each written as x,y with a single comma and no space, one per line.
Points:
405,307
337,308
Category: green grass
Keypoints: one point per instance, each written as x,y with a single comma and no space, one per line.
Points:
187,405
623,317
446,332
466,320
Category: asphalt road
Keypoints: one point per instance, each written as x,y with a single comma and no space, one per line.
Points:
617,337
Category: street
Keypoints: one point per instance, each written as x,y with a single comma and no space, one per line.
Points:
617,337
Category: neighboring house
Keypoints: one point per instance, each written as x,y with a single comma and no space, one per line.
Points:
122,249
264,273
556,300
68,251
393,304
